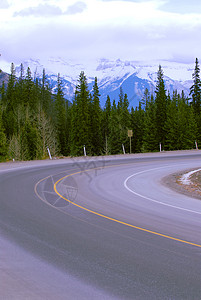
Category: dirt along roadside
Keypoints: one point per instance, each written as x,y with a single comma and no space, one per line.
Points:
188,183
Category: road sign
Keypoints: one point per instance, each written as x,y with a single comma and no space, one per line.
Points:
130,133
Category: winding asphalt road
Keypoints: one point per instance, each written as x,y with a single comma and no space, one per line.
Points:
102,228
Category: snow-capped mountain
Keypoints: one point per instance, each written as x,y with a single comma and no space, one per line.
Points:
133,76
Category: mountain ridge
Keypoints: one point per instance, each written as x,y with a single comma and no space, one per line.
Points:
133,76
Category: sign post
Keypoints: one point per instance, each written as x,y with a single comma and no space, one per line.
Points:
124,152
85,154
48,150
130,134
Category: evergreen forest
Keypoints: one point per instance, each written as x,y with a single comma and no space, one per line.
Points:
33,118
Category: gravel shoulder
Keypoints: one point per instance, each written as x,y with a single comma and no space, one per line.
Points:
193,189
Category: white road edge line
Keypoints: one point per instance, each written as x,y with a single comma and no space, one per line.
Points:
153,200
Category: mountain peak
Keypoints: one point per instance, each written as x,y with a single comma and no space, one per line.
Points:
133,76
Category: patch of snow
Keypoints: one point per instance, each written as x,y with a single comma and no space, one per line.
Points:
112,74
185,179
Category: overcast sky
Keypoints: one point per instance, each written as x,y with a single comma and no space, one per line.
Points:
90,29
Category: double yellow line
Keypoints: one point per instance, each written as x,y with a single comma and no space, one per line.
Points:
115,220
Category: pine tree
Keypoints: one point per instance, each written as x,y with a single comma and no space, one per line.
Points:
114,129
161,106
124,119
150,142
186,125
46,98
195,89
180,124
195,92
28,90
74,141
106,117
105,124
120,102
96,114
20,100
20,85
36,95
192,132
81,131
137,124
60,112
125,122
172,124
8,116
145,99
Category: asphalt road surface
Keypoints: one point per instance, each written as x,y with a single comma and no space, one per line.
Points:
101,228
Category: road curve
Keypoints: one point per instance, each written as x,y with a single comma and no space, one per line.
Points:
102,228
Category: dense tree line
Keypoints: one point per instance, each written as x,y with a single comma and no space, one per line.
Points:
32,118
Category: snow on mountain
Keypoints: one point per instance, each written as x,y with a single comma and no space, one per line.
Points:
133,76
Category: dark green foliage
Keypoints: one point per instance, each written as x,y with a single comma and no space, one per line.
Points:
32,119
60,117
22,108
195,93
125,123
137,125
145,99
105,125
3,142
96,116
30,142
195,90
81,132
120,102
68,126
3,95
172,124
29,99
9,119
160,108
114,142
150,142
181,128
106,117
186,125
45,95
119,123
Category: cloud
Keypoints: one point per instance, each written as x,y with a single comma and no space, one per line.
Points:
182,6
4,4
124,0
46,10
76,8
42,10
87,43
121,29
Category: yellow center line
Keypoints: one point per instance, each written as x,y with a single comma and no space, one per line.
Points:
112,219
